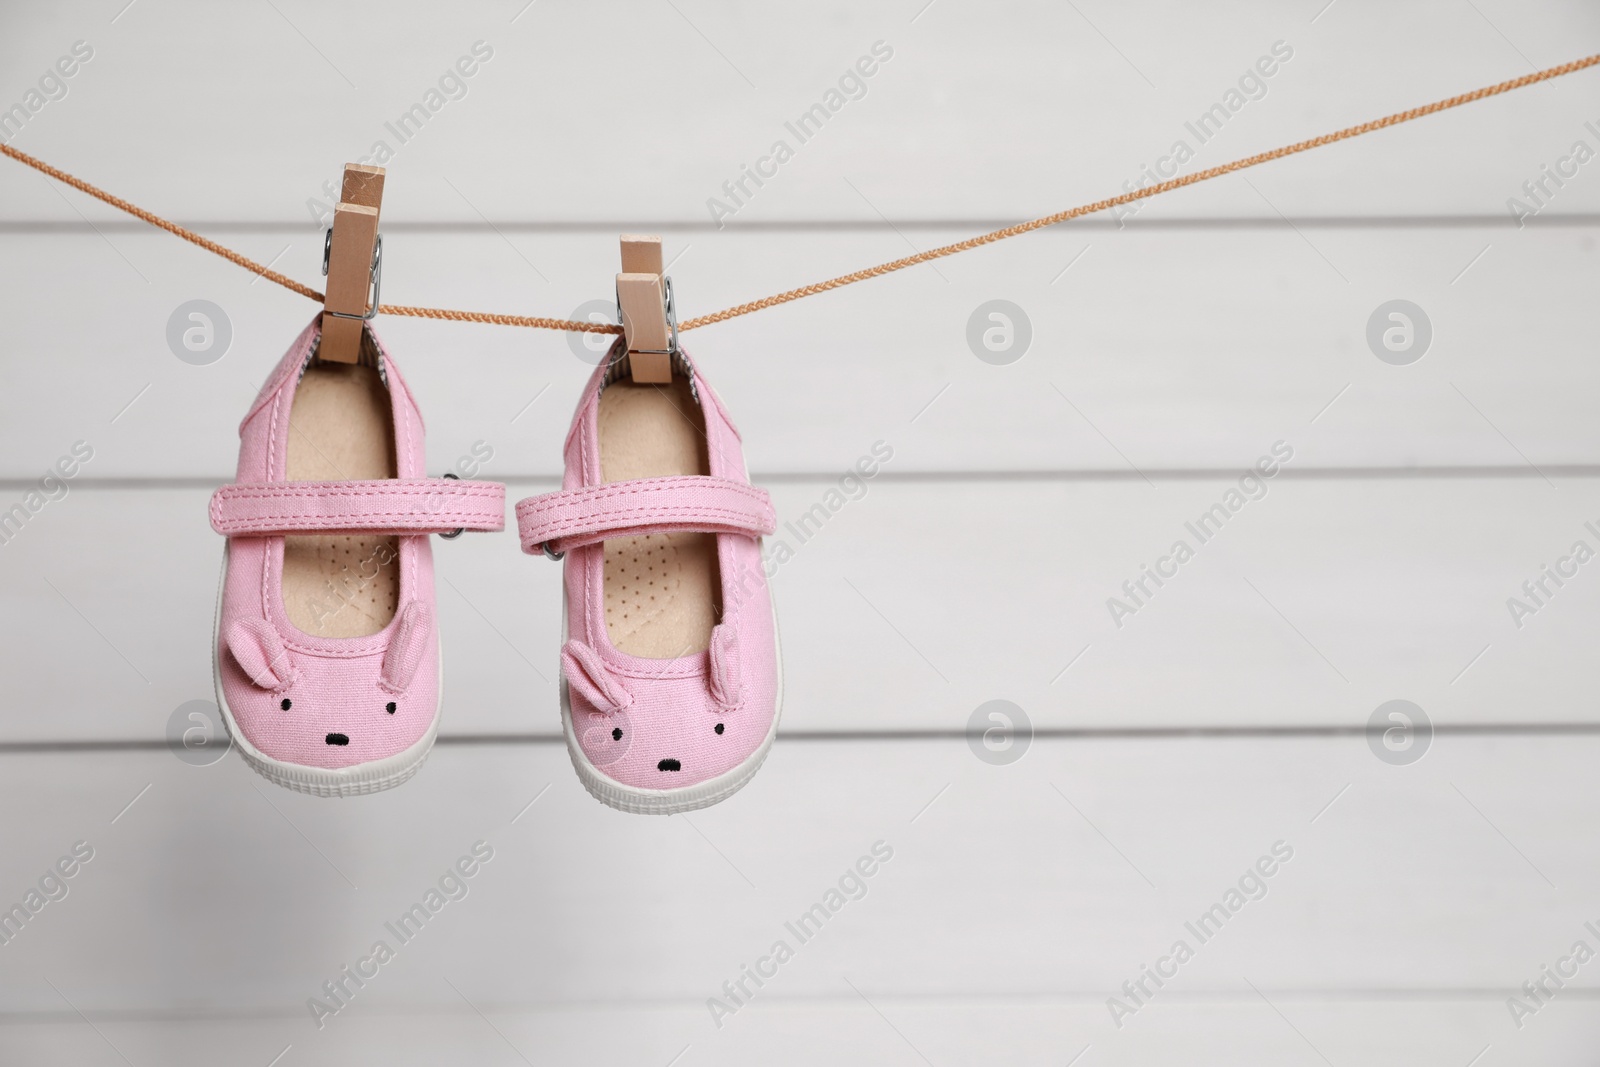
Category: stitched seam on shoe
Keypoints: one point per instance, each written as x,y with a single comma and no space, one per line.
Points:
589,493
290,490
280,525
441,519
610,520
408,560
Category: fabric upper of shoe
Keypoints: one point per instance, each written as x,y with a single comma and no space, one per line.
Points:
323,701
669,723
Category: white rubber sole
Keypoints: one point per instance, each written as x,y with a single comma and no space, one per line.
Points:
637,801
358,780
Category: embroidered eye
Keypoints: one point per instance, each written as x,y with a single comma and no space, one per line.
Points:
616,733
719,728
285,704
389,707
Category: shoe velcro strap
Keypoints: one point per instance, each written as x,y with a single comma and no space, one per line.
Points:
575,517
389,506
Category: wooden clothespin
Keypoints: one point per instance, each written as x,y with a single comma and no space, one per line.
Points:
352,260
644,300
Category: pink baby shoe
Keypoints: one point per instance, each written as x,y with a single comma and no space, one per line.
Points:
670,681
326,648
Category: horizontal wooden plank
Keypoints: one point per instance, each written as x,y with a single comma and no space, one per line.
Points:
917,601
1042,1031
1190,349
1044,884
1013,109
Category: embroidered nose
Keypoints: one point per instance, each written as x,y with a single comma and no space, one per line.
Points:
669,765
338,739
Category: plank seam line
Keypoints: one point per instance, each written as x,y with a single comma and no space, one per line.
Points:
1084,733
1497,221
1300,474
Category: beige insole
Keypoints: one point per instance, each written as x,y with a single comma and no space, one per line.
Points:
340,429
662,590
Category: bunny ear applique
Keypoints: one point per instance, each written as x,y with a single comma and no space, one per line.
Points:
406,648
587,674
259,651
725,682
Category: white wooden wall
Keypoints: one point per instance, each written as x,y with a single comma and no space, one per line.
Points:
1167,754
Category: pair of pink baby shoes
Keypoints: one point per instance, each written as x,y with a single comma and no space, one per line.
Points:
327,646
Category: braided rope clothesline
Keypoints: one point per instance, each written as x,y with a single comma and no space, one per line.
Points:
845,279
